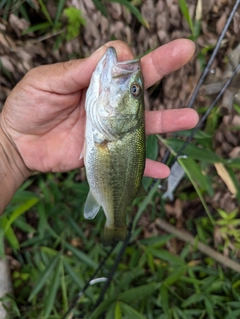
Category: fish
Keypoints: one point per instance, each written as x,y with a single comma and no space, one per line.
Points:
115,146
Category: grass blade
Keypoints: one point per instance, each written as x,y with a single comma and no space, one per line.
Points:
101,308
53,287
144,204
20,210
45,275
184,9
165,255
60,7
134,11
164,298
74,276
8,233
131,312
200,154
118,312
100,7
45,12
139,292
193,181
81,256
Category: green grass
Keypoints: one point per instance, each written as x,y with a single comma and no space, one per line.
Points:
61,250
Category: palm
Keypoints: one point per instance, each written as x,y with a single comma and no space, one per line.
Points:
49,135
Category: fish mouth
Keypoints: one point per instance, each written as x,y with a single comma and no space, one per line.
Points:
110,58
110,68
106,64
125,68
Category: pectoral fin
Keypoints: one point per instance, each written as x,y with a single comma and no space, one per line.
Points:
91,207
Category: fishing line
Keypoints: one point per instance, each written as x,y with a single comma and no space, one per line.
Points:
207,68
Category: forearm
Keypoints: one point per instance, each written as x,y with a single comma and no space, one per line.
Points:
13,171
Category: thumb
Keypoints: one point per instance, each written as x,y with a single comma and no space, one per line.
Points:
74,75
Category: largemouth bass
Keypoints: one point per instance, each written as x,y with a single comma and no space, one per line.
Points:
114,151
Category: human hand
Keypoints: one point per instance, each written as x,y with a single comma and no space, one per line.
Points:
44,116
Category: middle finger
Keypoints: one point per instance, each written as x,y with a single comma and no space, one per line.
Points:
165,121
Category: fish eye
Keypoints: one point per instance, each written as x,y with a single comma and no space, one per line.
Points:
135,89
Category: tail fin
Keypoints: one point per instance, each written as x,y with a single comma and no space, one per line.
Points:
112,236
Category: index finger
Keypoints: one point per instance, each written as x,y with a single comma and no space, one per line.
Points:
166,59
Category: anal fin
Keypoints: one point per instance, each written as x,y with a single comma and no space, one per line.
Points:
91,207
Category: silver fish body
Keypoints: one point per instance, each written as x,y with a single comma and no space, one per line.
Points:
114,154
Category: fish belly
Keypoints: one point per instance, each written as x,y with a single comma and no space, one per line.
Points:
114,171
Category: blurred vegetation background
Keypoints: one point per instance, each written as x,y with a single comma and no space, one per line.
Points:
183,257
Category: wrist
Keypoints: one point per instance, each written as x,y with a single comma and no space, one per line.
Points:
13,171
